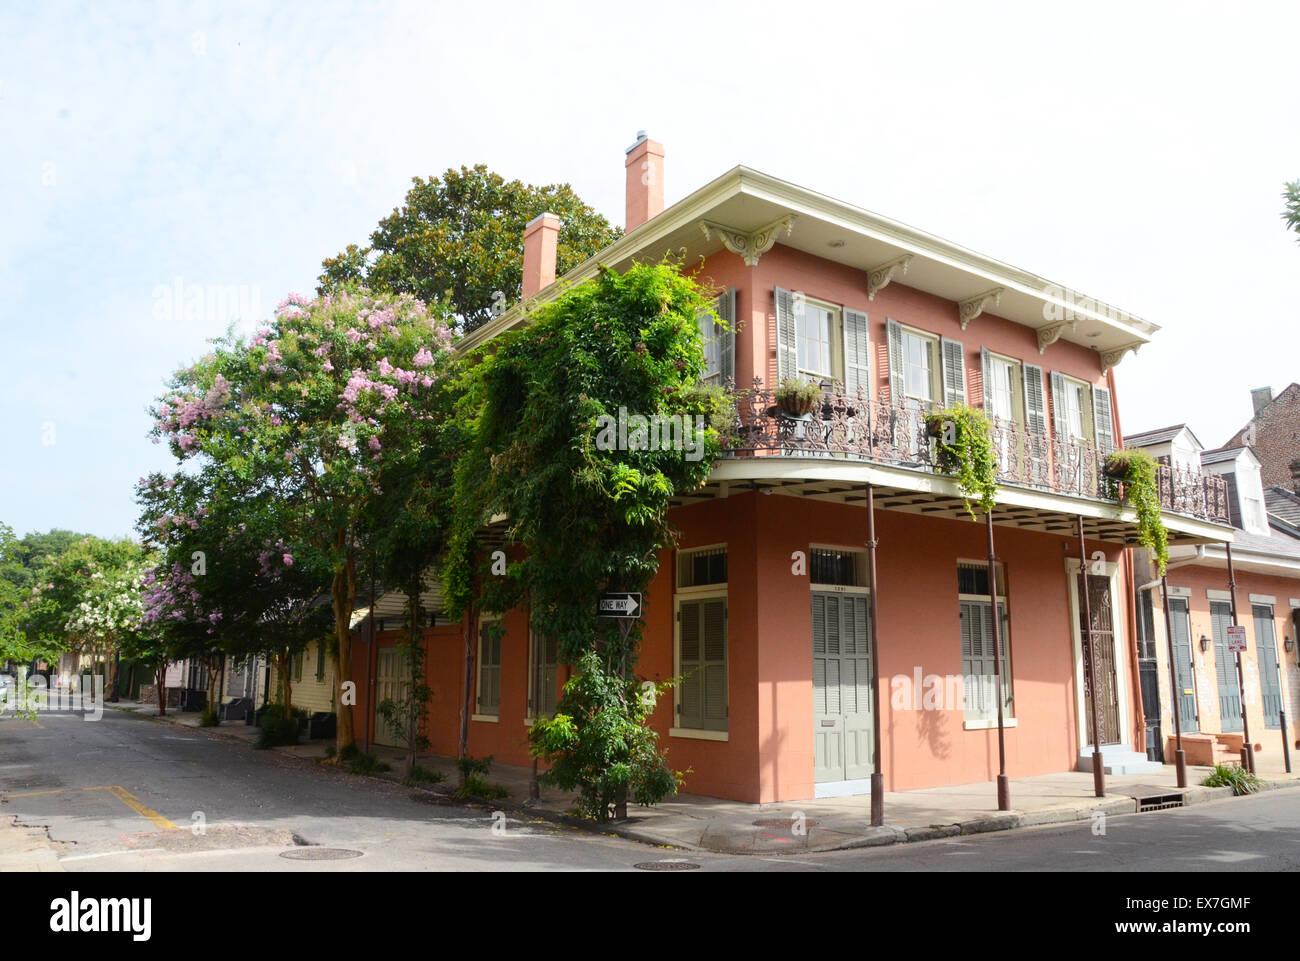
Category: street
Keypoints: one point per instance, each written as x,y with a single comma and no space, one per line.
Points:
112,792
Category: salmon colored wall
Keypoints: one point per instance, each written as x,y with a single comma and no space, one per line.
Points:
1199,580
919,626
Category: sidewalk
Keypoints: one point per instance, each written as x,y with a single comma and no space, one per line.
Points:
26,848
701,823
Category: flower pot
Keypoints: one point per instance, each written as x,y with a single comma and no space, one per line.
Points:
934,428
795,406
1115,470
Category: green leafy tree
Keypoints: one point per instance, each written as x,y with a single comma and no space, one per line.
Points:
1291,209
310,412
459,240
590,515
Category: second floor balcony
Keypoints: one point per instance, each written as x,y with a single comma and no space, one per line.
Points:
854,427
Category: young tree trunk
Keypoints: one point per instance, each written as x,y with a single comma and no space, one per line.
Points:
216,665
344,592
160,688
283,661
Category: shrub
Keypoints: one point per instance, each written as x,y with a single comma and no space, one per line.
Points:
277,730
366,764
475,786
422,775
471,766
1234,776
209,717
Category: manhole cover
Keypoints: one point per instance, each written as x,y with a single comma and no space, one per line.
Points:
320,854
666,866
786,823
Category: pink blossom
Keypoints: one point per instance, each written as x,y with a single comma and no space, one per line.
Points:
385,368
423,358
288,560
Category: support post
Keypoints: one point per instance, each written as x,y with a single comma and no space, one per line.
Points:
1247,748
1085,591
1179,755
1004,786
877,776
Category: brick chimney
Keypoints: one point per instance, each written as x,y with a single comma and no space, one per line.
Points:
540,238
645,181
1261,397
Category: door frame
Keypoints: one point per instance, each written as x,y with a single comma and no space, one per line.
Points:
1120,629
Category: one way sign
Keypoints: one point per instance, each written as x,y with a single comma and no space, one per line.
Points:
619,605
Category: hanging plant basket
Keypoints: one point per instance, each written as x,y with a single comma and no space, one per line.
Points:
969,457
1115,468
797,397
1134,473
934,426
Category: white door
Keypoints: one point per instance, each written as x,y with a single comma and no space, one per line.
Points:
841,642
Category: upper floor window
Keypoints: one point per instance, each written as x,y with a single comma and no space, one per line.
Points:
1004,390
919,365
818,329
717,330
1081,412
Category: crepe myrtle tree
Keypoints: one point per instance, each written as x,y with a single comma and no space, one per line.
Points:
109,611
590,516
228,585
311,410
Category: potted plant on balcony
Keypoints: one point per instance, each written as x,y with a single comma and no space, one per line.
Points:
797,397
1134,475
964,449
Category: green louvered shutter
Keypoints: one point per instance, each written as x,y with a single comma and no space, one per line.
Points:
727,335
1035,403
954,371
1270,688
1060,421
787,346
986,376
894,334
1102,422
714,664
1225,667
857,353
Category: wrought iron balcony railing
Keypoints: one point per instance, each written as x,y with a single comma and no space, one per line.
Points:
854,427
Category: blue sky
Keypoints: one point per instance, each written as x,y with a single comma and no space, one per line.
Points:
1133,153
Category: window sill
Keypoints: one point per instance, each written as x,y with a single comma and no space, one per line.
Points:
491,718
989,724
698,735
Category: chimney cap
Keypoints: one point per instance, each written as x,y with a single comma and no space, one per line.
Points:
641,137
539,218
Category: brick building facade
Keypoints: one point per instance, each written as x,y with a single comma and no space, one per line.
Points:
1274,435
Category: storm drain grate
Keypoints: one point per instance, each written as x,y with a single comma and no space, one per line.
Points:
786,823
668,865
320,854
1154,797
1159,802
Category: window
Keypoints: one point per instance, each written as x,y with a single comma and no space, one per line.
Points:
489,668
701,643
1006,400
711,336
297,666
919,367
702,566
543,676
979,681
320,661
839,568
818,336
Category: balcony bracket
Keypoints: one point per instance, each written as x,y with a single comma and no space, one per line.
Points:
749,245
878,278
1111,358
968,310
1052,333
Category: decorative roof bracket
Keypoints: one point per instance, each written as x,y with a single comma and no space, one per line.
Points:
1052,333
1111,358
878,278
968,310
750,245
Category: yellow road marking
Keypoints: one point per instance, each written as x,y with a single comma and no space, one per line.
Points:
136,805
119,792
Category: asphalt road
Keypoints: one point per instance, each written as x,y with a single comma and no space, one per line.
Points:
109,792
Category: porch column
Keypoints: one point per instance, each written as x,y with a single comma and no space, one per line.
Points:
1247,749
1004,787
1179,755
877,777
1098,775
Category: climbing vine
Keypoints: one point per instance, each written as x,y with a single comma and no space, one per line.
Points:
579,429
1133,473
964,447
